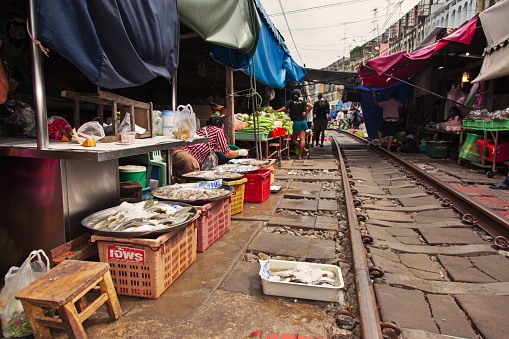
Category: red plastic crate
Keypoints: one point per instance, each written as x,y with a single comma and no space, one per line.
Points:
502,151
257,186
214,221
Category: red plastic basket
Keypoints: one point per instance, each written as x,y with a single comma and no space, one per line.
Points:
214,221
257,186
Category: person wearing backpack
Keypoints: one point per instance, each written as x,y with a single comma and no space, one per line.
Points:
321,109
298,109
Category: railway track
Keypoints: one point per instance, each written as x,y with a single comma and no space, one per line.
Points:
429,259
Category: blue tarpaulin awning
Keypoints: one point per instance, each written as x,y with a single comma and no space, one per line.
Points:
115,44
273,65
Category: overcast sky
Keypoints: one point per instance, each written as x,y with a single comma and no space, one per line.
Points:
323,31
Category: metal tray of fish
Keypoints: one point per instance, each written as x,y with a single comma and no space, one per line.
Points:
92,221
254,162
212,175
237,168
158,193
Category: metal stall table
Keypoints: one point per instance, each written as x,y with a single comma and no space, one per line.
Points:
46,193
279,143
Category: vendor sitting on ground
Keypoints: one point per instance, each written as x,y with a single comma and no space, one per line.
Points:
190,158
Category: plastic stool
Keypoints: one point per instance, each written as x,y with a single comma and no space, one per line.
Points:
155,159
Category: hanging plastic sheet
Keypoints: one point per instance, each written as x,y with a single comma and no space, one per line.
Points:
402,64
496,55
114,43
232,24
273,65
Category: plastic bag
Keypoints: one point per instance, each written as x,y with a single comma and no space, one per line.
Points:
91,129
20,114
56,126
157,123
184,123
14,319
125,125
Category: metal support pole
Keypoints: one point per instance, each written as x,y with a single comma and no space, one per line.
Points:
174,92
39,89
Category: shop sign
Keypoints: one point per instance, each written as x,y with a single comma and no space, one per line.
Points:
126,254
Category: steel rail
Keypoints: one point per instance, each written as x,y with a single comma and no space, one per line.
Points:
490,221
368,310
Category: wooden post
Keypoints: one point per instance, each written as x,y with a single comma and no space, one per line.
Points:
229,127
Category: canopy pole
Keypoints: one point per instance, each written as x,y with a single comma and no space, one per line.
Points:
259,143
174,92
423,89
39,88
251,89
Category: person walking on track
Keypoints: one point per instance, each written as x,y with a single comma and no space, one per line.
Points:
391,110
298,109
321,109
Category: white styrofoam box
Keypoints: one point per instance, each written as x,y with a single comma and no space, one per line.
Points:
303,291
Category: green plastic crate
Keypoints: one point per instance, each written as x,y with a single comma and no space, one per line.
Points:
469,123
251,136
480,123
501,123
437,150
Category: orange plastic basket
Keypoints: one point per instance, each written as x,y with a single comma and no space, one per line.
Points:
147,267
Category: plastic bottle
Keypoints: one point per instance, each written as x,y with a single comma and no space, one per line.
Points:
167,117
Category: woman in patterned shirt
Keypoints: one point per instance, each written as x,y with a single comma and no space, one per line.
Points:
190,158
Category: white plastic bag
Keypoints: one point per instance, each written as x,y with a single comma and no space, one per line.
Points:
14,320
91,129
184,123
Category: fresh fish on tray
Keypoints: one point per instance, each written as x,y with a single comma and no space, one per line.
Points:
183,192
212,175
304,274
145,216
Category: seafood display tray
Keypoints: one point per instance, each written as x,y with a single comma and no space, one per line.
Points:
97,217
199,201
303,291
147,267
198,178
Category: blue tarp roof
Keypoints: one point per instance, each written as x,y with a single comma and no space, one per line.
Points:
114,43
273,65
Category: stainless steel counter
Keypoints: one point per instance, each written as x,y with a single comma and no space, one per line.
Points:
24,147
44,194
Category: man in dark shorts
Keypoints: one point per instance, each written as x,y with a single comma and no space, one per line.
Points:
391,110
320,110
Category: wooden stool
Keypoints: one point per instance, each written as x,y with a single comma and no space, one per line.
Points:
61,288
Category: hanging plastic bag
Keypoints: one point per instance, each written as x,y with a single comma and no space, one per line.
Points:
211,160
91,129
184,123
125,125
14,319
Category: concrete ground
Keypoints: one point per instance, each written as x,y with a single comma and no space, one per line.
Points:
220,295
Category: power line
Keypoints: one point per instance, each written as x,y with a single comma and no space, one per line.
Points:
348,2
290,31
